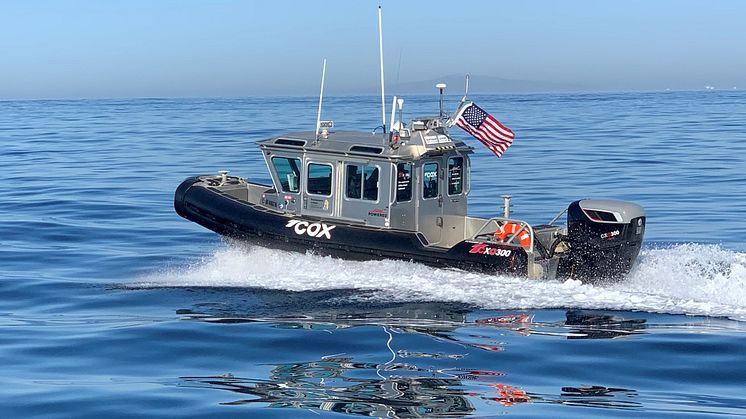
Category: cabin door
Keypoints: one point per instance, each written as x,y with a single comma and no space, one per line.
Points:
319,188
430,214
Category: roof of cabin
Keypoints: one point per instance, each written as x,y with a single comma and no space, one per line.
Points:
413,144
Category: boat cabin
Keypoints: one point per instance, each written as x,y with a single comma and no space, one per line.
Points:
415,179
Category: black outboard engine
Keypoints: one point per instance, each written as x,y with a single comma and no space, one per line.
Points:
604,237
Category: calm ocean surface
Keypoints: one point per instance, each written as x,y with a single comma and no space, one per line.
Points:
111,305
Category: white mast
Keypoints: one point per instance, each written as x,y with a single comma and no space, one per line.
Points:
380,53
321,97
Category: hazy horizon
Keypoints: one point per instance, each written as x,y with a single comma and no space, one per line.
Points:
231,48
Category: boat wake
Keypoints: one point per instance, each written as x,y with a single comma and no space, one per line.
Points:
690,279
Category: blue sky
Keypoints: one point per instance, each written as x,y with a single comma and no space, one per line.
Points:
134,48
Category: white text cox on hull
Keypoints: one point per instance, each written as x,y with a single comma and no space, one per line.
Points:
403,194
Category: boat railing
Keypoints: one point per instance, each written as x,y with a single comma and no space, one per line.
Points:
493,224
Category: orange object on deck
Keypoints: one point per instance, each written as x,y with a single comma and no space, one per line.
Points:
509,229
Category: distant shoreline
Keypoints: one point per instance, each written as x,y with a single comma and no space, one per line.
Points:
451,95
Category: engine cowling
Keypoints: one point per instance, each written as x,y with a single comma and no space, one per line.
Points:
605,237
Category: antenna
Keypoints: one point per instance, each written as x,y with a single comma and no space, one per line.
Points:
441,87
380,53
400,102
321,97
393,109
466,90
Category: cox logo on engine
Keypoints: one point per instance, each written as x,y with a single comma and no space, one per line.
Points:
317,230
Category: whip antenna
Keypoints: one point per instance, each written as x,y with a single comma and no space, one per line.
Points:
380,53
466,89
393,109
321,97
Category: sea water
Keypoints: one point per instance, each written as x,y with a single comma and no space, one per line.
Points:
111,305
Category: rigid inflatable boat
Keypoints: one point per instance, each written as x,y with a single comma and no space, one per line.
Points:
403,195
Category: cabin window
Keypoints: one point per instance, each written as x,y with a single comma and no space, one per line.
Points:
288,171
319,179
403,182
430,180
362,182
455,175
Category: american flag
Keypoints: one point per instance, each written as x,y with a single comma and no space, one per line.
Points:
485,128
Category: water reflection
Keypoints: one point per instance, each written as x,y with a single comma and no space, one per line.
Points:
438,320
599,396
338,384
335,384
589,324
416,383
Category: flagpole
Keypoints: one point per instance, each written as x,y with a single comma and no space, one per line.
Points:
460,106
451,120
466,90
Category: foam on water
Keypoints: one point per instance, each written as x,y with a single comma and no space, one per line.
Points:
687,278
